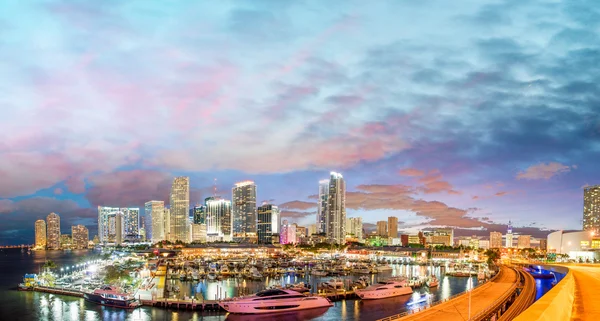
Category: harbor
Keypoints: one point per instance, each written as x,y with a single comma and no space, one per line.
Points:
196,284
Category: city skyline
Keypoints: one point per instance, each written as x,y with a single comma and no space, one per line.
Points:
470,132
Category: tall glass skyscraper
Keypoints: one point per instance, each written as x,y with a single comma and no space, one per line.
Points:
268,223
80,237
180,207
40,234
591,209
53,231
155,210
336,209
218,220
244,211
131,226
322,211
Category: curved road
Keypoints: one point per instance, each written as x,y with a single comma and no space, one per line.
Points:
458,308
586,305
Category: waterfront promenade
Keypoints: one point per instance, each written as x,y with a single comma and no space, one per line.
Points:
482,297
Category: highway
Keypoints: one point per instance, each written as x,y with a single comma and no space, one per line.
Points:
458,309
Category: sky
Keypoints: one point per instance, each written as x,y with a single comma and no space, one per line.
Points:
465,114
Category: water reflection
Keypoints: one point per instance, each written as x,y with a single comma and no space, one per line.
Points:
291,316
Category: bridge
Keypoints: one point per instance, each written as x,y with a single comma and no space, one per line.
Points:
489,301
575,297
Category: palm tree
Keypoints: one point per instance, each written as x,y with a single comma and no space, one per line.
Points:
50,265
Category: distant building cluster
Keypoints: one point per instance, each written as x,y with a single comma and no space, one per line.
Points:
48,235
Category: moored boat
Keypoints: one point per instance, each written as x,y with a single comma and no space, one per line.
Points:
382,290
110,296
274,300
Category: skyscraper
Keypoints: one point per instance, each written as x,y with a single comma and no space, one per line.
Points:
109,226
244,211
80,237
156,211
167,224
53,231
199,213
218,220
382,228
40,234
288,233
591,209
336,209
392,226
268,223
354,227
509,236
322,211
495,240
180,206
131,222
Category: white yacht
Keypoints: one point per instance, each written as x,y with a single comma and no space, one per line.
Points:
274,300
432,281
382,290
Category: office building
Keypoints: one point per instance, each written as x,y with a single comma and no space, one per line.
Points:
591,209
269,218
312,229
439,236
382,228
155,210
244,211
354,228
66,242
392,227
131,222
288,233
300,232
543,244
484,244
524,241
79,237
40,234
180,206
167,223
111,224
322,206
218,220
199,214
53,231
336,209
198,233
495,240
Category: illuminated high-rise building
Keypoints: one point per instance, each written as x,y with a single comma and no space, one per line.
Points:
269,218
392,227
167,224
354,227
382,228
40,234
155,210
244,211
199,214
288,233
131,222
53,231
509,236
180,206
218,220
80,237
112,223
591,209
495,240
322,208
336,209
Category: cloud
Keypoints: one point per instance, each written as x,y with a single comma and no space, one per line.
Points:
544,171
295,215
298,205
411,172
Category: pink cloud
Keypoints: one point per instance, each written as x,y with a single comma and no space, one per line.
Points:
544,171
298,205
58,191
413,172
